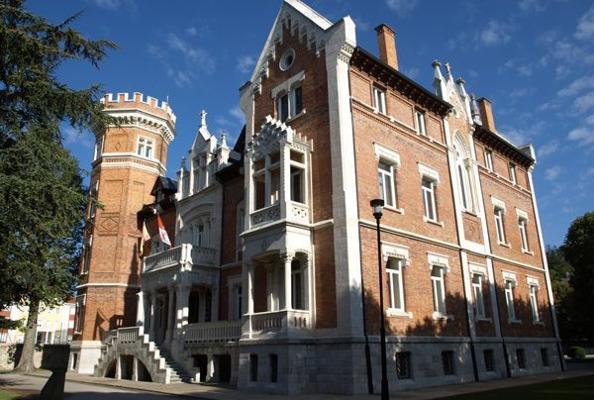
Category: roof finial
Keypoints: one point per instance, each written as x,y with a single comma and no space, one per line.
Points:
224,139
448,70
203,118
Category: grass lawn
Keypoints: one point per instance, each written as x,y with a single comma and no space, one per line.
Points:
4,395
564,389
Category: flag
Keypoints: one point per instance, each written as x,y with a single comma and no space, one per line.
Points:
145,237
162,232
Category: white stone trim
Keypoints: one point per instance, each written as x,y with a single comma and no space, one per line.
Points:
497,203
428,172
510,276
383,153
124,285
395,251
286,86
478,269
521,214
532,281
438,260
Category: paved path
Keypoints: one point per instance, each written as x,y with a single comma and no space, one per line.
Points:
79,387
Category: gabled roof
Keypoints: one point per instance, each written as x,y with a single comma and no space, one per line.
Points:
165,185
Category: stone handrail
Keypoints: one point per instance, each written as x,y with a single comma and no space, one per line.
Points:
130,334
218,331
172,256
203,255
264,215
281,320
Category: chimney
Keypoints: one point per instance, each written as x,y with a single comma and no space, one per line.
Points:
386,41
486,110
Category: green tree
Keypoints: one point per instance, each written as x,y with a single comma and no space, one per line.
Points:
561,272
578,250
41,197
31,50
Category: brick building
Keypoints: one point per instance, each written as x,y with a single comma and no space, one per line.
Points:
271,282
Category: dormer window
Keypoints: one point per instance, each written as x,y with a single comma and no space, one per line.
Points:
379,100
145,147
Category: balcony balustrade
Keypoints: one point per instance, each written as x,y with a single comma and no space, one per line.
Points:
219,331
180,255
280,321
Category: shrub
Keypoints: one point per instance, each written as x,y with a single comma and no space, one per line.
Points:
577,353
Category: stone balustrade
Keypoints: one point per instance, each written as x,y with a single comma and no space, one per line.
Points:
219,331
180,255
276,321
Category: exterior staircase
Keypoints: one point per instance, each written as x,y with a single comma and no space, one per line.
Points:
134,342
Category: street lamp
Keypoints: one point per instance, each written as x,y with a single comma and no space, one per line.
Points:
377,205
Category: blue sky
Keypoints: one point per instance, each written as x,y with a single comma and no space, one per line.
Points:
533,58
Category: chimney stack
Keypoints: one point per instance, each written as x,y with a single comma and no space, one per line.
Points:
386,41
486,110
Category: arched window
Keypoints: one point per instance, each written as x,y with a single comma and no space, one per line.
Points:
465,189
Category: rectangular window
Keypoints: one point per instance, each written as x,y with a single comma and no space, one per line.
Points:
522,224
403,365
544,356
521,357
145,147
297,285
509,300
87,254
79,313
254,367
386,183
489,160
479,301
420,122
428,189
296,101
273,368
512,173
283,107
534,303
238,301
437,283
499,225
98,147
259,191
395,283
379,100
447,360
489,360
297,180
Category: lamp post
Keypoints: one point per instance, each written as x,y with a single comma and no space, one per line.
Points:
377,205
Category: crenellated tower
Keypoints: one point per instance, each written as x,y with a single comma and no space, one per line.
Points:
129,156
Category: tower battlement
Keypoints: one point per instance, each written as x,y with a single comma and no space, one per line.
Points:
140,101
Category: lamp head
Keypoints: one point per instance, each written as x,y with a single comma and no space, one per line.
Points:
377,205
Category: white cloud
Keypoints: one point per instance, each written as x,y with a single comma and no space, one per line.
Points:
590,120
583,135
495,33
245,64
190,61
114,5
590,171
71,136
584,103
191,31
578,85
412,72
547,148
401,7
238,114
553,173
585,27
532,5
521,92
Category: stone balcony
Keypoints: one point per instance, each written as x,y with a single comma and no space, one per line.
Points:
293,212
217,331
180,255
279,323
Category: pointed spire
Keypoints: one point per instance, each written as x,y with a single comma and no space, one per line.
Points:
203,129
460,82
438,81
203,114
476,116
448,68
183,163
224,139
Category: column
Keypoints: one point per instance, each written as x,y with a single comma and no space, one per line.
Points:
140,309
181,299
267,181
135,369
214,302
287,259
210,368
153,310
118,373
249,295
170,314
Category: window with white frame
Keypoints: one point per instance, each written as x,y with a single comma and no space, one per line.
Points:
429,203
297,176
533,297
98,147
87,254
387,188
489,160
438,288
379,100
465,191
522,226
289,104
479,300
297,285
420,122
512,173
79,313
499,213
145,147
509,299
396,283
